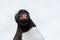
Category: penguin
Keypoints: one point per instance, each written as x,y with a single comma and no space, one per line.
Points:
26,29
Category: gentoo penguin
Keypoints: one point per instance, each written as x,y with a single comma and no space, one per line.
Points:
26,29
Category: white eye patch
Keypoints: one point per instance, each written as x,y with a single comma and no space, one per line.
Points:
24,15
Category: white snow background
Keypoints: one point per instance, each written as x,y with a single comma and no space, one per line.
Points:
44,13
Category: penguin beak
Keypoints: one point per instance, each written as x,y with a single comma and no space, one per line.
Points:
23,17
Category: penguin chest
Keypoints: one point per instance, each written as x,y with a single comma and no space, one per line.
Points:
32,34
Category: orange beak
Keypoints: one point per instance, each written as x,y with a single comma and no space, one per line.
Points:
23,17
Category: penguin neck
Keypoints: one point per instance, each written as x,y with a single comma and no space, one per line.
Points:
25,28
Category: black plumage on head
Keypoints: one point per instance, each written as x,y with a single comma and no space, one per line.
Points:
28,22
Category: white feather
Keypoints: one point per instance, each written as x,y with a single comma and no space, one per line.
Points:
32,34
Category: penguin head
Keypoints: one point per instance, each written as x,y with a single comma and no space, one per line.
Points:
24,21
22,17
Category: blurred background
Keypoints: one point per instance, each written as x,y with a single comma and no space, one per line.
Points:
44,13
